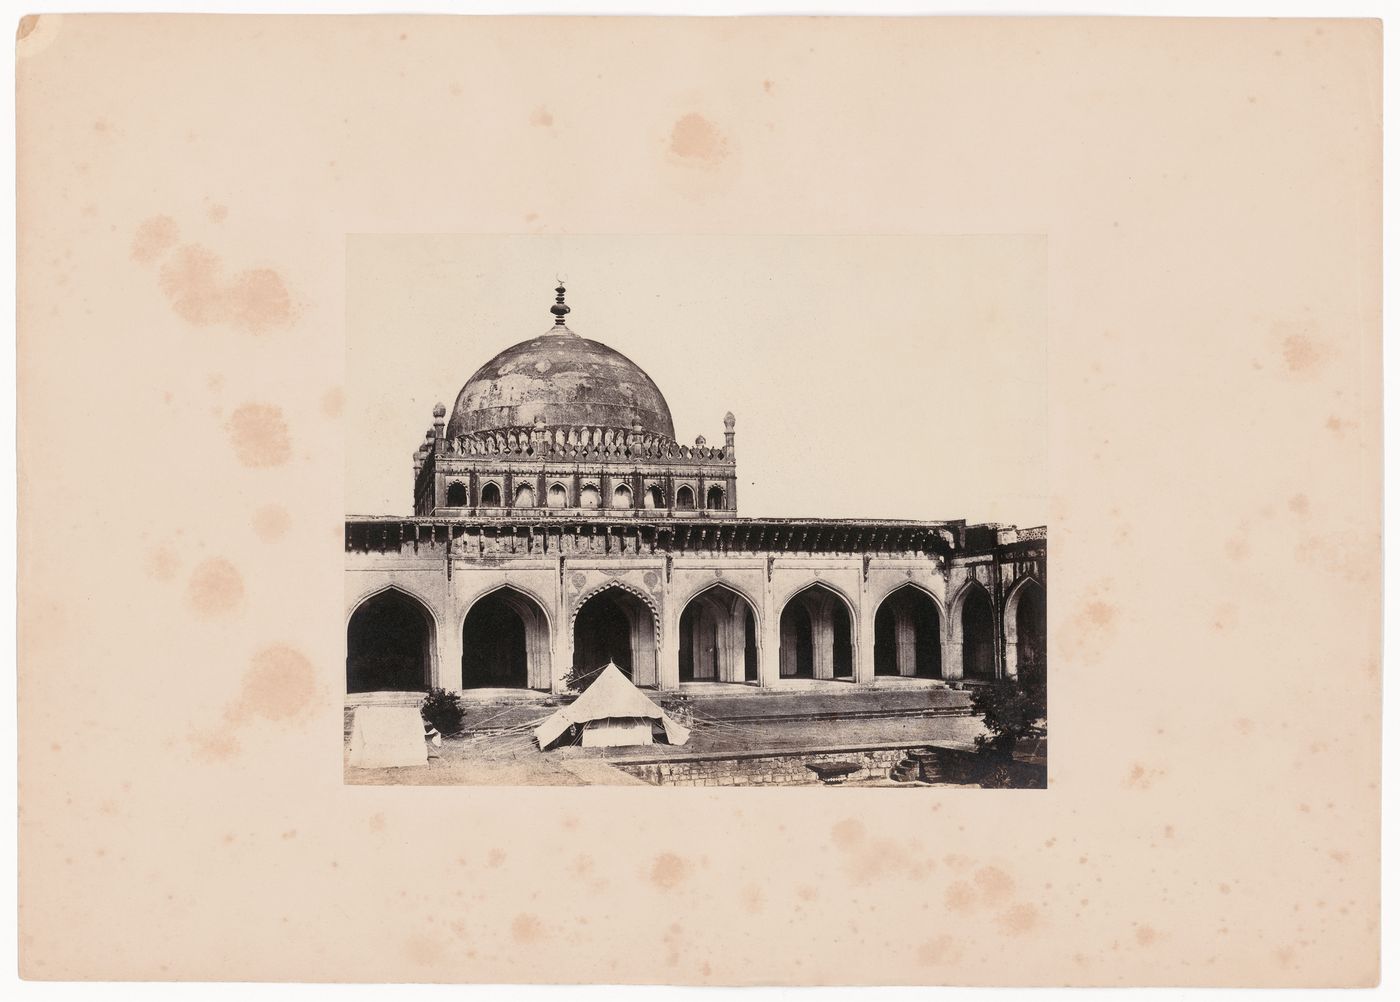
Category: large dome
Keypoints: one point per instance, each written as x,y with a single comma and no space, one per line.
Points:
562,379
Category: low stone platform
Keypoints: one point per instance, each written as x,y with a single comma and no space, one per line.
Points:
484,711
849,702
501,711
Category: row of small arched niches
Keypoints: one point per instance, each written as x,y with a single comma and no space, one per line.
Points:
589,497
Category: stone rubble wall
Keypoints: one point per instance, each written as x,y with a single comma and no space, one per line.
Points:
768,770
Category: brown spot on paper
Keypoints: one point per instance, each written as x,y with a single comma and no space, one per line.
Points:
1020,919
526,928
869,859
162,563
215,587
1100,614
695,140
279,685
216,745
270,522
1301,354
424,949
1351,556
254,301
27,23
541,117
960,896
848,833
939,950
259,435
752,899
668,870
993,883
1141,777
333,402
1237,546
153,238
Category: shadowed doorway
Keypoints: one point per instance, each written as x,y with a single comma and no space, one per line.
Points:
907,635
978,637
615,625
389,645
1027,638
505,643
718,638
814,634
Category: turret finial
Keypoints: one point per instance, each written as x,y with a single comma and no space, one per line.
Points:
559,309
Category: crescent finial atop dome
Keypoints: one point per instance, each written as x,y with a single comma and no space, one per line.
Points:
560,309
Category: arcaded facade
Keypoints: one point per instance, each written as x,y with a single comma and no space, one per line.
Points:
559,523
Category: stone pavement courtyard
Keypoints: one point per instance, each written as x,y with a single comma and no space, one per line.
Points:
498,748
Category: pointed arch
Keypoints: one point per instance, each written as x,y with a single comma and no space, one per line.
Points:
491,494
1024,627
506,635
817,630
685,497
909,633
525,496
624,586
622,496
653,498
624,628
381,589
925,590
973,630
390,643
558,495
714,498
960,596
719,635
456,494
825,585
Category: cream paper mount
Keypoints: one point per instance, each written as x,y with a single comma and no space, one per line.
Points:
1199,431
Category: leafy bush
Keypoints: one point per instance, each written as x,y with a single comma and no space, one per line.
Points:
576,679
441,709
1009,711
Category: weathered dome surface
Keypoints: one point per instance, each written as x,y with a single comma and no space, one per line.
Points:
562,379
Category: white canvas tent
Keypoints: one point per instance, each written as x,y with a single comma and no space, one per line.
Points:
611,712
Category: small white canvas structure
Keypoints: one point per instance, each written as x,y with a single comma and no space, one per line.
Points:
612,712
616,732
387,736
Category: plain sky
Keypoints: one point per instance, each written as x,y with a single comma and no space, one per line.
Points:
870,376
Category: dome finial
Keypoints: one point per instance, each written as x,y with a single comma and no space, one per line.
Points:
559,309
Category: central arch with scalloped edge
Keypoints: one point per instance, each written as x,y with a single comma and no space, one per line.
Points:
647,658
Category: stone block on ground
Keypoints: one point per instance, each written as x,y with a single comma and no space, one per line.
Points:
384,737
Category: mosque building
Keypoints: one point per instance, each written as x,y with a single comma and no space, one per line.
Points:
559,524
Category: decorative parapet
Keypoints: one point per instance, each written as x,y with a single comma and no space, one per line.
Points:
581,442
538,533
